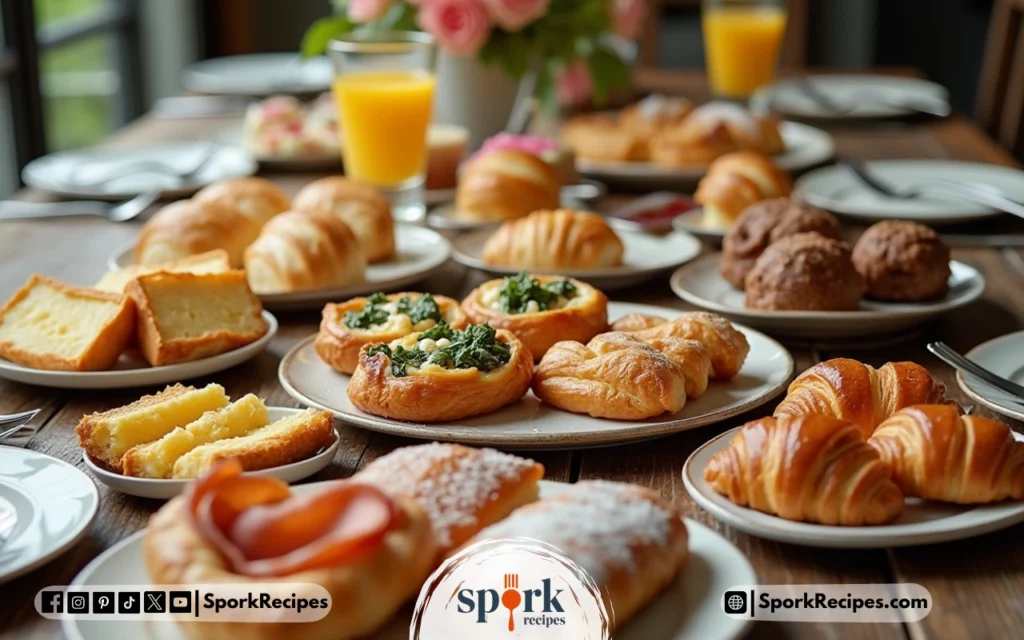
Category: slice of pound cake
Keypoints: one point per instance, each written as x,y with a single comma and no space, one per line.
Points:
188,316
216,261
51,325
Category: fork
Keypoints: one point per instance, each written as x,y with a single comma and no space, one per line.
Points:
127,210
939,108
947,354
19,418
208,152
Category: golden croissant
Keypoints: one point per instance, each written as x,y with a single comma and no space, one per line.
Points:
725,344
937,454
812,468
562,239
859,393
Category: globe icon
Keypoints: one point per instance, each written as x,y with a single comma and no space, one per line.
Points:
735,603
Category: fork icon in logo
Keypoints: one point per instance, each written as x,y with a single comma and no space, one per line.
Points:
511,598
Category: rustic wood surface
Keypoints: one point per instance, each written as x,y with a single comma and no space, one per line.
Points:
977,584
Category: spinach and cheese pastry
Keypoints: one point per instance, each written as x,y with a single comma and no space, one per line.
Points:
347,326
539,310
442,374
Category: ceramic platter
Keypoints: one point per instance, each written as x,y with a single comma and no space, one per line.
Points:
1002,357
420,252
691,607
530,424
700,284
923,522
872,97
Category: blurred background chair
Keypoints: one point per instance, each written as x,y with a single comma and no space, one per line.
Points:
1000,101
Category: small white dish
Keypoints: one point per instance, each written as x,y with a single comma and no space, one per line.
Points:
874,97
419,253
67,173
167,489
132,371
701,284
54,505
321,162
923,522
1001,356
259,74
692,222
691,607
646,256
531,424
837,189
806,147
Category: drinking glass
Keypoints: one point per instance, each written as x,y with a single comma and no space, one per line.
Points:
742,39
384,90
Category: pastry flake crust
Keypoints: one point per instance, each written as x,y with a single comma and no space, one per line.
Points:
258,199
726,345
560,239
188,227
504,185
363,207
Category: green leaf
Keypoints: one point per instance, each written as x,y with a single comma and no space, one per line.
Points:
315,40
607,71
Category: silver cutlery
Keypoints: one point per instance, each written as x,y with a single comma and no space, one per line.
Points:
18,210
851,101
947,354
979,193
24,416
13,430
207,152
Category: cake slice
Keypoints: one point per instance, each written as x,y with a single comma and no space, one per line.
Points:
216,261
288,440
188,316
107,436
47,324
156,459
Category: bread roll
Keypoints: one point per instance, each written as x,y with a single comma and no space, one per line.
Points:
363,207
299,251
189,227
504,185
257,198
736,181
562,239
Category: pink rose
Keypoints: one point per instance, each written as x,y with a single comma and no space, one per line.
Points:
367,10
513,15
460,26
575,86
628,17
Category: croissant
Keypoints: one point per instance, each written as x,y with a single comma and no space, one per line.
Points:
812,468
258,199
859,393
188,227
600,137
727,347
937,454
561,239
363,207
736,181
299,251
504,185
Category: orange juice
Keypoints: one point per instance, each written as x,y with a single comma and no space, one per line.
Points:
384,116
742,47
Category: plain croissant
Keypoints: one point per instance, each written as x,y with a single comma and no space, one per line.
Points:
736,181
726,345
859,393
812,468
562,239
937,454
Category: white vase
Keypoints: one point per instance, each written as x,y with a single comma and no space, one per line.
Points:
473,95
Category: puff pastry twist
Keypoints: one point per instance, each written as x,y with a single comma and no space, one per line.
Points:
727,346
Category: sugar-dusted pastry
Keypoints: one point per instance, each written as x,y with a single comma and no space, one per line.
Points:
363,207
504,185
902,262
764,223
601,137
613,376
461,489
629,540
106,436
188,316
756,133
539,310
215,261
687,146
654,114
47,324
811,468
258,199
188,227
560,239
371,552
692,358
736,181
346,327
859,393
442,374
726,345
299,251
937,454
804,272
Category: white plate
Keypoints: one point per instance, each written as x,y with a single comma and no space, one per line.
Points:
132,371
166,489
700,284
531,424
62,173
646,256
420,252
923,522
1002,357
872,91
836,188
692,222
54,505
309,162
260,74
442,215
806,147
691,607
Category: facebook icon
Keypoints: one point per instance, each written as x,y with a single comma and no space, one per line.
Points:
52,602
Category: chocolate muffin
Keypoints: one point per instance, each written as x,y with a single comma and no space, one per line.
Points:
805,272
902,262
766,222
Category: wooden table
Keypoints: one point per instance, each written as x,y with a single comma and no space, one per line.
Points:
977,584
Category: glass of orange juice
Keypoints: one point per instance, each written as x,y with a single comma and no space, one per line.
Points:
384,90
742,39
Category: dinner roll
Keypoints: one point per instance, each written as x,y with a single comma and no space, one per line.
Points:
363,207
